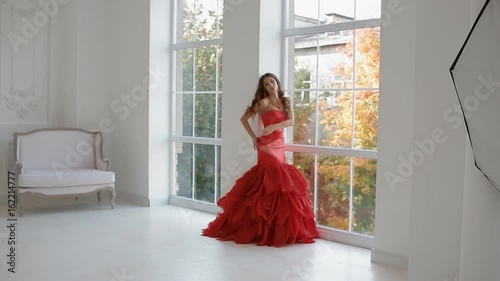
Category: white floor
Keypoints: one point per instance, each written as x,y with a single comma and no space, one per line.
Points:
65,240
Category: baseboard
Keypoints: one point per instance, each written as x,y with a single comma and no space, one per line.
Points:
343,237
140,200
195,205
158,201
391,259
135,199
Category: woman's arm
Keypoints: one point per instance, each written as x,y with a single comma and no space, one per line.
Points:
288,122
244,121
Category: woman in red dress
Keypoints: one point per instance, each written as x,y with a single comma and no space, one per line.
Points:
269,204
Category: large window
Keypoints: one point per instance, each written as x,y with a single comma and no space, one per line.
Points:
197,91
332,76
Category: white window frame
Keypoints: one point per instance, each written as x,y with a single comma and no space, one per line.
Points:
346,237
217,142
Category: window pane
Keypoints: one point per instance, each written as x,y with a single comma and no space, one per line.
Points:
335,121
305,57
184,70
184,169
317,12
366,120
184,108
207,19
367,57
365,173
368,9
204,115
333,191
205,68
204,172
199,20
304,110
304,162
303,12
336,11
220,15
186,24
335,63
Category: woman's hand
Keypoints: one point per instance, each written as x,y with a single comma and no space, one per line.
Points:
268,130
255,142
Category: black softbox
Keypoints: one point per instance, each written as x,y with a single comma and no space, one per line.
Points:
476,77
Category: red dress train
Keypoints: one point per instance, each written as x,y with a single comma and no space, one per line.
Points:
269,204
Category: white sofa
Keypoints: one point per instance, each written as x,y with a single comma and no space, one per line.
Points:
61,162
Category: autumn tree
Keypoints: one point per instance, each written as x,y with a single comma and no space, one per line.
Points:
335,125
338,122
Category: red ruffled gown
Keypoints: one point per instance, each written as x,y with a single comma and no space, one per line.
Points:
269,204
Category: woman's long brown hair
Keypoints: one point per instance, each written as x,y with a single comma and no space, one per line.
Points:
261,93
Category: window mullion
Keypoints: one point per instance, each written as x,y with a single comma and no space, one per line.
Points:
351,192
354,70
332,27
216,172
316,188
193,173
316,131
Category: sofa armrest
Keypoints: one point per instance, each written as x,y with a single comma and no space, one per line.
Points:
19,167
103,164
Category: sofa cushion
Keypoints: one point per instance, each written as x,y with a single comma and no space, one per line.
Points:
59,178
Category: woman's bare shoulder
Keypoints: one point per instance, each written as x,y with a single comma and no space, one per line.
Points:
261,106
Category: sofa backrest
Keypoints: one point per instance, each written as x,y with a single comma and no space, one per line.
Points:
57,149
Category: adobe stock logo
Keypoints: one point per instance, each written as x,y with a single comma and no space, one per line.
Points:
31,26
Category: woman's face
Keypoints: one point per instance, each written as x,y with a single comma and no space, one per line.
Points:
270,85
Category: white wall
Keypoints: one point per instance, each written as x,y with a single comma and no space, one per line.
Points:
396,115
130,29
438,183
159,109
94,64
88,66
441,214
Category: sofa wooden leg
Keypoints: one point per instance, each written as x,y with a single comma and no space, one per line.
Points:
113,196
99,196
